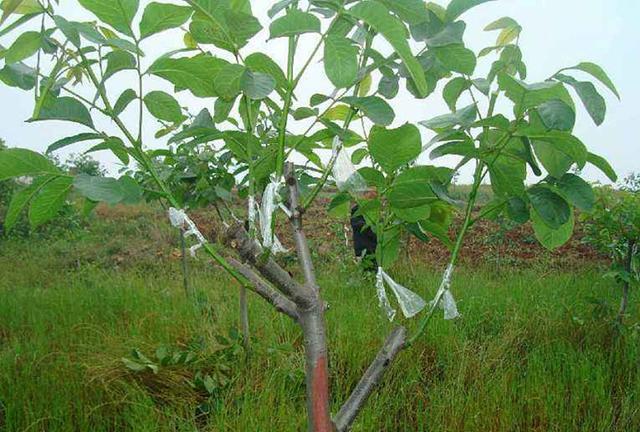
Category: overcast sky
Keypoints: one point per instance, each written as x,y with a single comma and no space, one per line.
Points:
557,33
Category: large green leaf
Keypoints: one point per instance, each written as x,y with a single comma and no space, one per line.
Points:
452,91
227,81
196,74
65,109
340,61
527,96
591,99
556,162
18,162
507,175
222,24
393,148
163,106
259,62
411,189
9,7
557,115
602,164
412,12
374,107
158,17
118,60
393,30
90,136
562,141
295,22
456,58
114,145
21,198
463,117
107,189
458,7
551,207
26,45
18,75
598,73
551,238
577,191
118,14
49,200
257,85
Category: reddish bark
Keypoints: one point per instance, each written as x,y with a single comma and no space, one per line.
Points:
321,419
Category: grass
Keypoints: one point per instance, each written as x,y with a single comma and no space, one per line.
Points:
535,350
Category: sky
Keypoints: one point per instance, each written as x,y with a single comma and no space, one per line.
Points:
557,34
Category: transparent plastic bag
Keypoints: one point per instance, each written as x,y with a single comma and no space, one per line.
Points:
270,203
444,298
410,303
344,173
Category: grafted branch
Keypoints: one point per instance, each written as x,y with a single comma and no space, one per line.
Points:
393,345
264,290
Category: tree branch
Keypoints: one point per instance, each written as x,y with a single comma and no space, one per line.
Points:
251,252
304,254
371,378
260,287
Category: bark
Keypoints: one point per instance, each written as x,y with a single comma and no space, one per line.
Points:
264,290
393,345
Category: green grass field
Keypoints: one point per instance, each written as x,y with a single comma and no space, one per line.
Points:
534,351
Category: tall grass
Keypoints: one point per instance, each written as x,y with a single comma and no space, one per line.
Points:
534,351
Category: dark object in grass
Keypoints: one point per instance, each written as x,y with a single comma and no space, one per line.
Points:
365,241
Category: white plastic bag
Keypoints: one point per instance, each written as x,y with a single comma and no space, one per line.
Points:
345,174
179,219
270,203
410,303
444,298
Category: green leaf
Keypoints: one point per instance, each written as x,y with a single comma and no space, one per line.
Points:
73,139
549,237
411,189
394,31
227,81
556,162
196,74
452,91
557,115
118,14
21,198
107,189
449,35
340,61
527,96
118,60
456,58
551,207
412,12
10,6
257,85
591,99
562,141
458,7
393,148
26,45
114,145
222,24
158,17
49,200
163,106
259,62
602,164
507,175
577,191
598,73
65,109
295,22
123,101
18,162
502,23
18,75
374,107
278,7
389,86
463,117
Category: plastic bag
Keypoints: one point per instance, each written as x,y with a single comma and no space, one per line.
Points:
345,174
410,303
179,219
270,203
444,298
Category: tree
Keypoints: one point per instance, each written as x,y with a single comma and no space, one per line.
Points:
249,136
614,228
